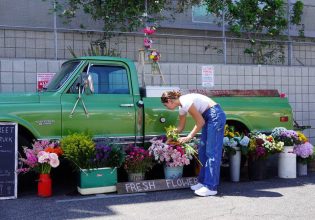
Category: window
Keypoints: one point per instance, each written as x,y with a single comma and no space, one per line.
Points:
109,79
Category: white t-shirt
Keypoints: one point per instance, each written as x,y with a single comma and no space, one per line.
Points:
201,102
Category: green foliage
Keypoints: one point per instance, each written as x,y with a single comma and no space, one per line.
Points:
114,14
96,50
82,151
79,148
259,22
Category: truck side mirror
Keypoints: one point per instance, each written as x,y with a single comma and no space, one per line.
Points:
88,82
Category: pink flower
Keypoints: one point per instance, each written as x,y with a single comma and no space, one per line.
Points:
149,30
282,95
43,157
147,43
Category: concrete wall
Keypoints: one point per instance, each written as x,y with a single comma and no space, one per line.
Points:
298,83
175,45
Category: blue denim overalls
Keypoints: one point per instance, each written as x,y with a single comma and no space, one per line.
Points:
210,147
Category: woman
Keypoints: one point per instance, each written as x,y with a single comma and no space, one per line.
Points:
209,117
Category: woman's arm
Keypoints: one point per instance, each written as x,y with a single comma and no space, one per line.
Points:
181,123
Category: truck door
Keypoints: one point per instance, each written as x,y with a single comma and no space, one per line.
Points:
108,112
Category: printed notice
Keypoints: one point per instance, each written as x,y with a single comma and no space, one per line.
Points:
43,79
207,76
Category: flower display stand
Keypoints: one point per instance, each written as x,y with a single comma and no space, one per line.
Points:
287,163
100,180
173,172
153,70
134,177
302,169
235,165
44,186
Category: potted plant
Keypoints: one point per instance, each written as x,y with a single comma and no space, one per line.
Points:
304,154
287,159
43,156
96,163
234,144
261,146
137,162
172,154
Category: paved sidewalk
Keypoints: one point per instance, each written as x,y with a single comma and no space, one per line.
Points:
268,199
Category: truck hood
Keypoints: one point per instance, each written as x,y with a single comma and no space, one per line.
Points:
15,98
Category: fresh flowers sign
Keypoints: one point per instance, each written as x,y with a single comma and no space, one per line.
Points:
41,157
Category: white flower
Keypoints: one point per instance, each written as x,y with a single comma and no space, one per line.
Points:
43,157
233,143
244,142
226,141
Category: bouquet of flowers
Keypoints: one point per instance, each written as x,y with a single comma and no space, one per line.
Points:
262,145
304,152
171,152
147,43
154,56
84,153
107,155
234,139
288,137
41,157
138,160
149,30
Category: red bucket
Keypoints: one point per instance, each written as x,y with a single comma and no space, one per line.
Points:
44,185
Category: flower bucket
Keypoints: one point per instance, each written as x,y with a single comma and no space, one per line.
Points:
235,165
134,177
287,163
44,186
257,169
302,169
173,172
100,180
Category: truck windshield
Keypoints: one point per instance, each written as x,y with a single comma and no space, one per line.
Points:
62,76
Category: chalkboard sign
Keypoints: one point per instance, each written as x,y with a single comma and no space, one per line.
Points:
155,185
8,160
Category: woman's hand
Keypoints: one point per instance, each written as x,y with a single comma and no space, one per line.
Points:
184,139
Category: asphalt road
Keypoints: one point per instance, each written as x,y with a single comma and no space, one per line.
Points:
272,198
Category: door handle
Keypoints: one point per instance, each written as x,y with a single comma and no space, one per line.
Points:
126,105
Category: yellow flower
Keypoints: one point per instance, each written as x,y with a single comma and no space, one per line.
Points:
252,144
302,137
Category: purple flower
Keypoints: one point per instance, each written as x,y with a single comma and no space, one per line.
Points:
304,150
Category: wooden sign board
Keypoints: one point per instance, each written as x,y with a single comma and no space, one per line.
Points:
155,185
8,160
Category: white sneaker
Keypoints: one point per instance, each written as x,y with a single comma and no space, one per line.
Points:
196,186
204,191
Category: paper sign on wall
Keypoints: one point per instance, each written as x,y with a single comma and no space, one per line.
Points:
43,79
207,76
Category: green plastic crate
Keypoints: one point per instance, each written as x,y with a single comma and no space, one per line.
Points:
99,177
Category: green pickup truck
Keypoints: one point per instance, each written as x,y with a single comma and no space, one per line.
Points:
102,95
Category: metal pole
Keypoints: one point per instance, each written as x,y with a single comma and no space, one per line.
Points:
223,33
55,32
289,34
